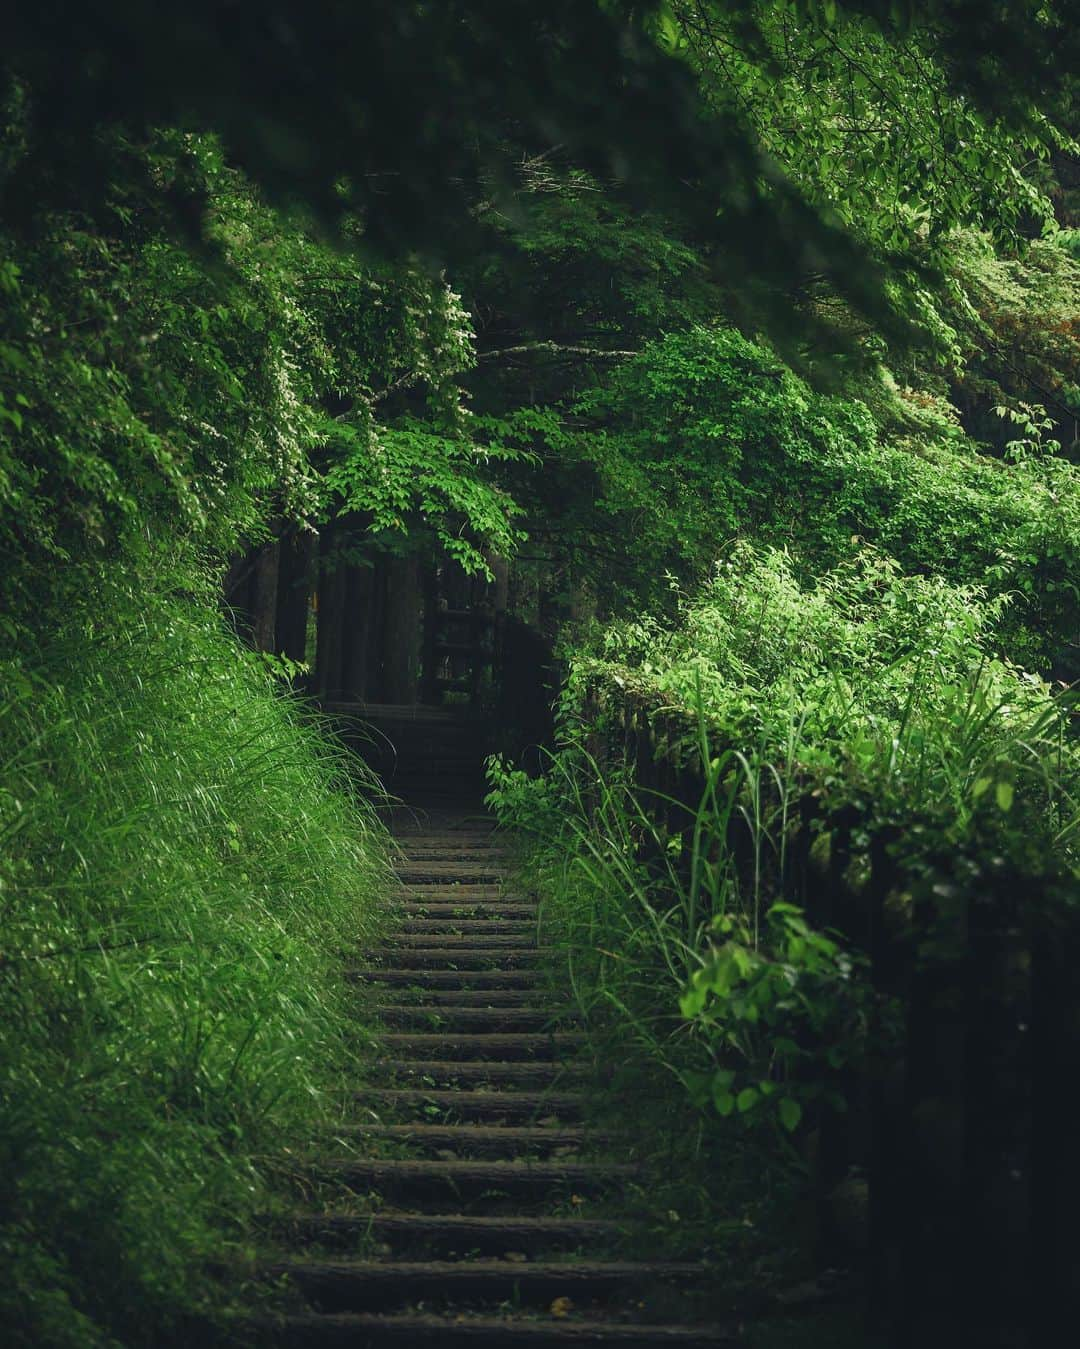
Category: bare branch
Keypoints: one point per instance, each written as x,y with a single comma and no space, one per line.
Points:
556,349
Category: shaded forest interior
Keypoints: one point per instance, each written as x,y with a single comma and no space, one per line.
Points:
438,666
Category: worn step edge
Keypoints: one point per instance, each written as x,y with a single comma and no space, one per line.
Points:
446,939
481,1104
453,1230
478,1045
471,1138
480,999
461,927
424,873
348,1285
444,1018
457,894
492,1070
492,959
357,1330
474,979
477,910
520,1177
454,852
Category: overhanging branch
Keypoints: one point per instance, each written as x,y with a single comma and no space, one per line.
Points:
556,349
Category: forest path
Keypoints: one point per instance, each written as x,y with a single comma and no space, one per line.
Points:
478,1162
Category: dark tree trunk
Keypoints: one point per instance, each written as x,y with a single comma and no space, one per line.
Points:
401,632
295,567
356,639
331,608
264,598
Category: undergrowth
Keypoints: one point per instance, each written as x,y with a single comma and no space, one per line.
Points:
184,861
687,953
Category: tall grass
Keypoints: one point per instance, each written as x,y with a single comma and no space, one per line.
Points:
867,691
184,862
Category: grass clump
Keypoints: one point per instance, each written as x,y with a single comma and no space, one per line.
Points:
184,864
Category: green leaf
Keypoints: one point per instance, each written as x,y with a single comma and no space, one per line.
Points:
724,1102
747,1099
1003,795
790,1113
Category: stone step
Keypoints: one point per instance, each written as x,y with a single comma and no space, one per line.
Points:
473,980
360,1330
470,909
457,894
451,1232
491,936
353,1285
448,926
470,1045
437,999
446,1072
449,957
468,872
426,1015
475,1140
453,850
460,1181
481,1105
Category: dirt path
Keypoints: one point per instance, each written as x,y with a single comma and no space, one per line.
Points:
481,1156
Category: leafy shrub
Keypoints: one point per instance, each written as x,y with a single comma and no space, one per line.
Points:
883,687
866,689
706,437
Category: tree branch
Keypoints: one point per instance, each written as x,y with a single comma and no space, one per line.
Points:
556,349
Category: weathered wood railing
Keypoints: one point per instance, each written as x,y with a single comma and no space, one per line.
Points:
963,1127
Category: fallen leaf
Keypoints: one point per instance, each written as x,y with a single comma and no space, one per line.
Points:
576,1199
562,1306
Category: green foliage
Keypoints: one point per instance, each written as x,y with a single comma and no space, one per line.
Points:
865,119
883,688
866,690
141,382
771,1012
181,873
784,1007
706,436
1016,331
409,474
327,112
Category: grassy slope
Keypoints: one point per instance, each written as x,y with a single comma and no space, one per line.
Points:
181,868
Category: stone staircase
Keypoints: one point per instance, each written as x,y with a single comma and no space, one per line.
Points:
475,1140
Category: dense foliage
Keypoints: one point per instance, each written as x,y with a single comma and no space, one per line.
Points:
866,689
182,873
755,323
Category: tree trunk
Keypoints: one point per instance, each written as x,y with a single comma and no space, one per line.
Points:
401,632
331,610
264,598
297,555
356,638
